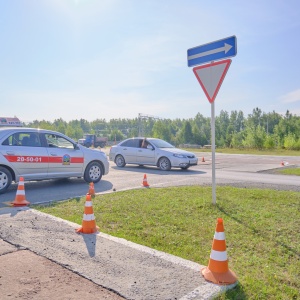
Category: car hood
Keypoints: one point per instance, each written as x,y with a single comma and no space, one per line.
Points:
89,150
177,151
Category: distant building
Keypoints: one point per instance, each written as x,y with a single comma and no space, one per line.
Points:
10,122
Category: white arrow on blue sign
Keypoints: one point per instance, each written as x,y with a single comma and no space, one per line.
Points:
212,51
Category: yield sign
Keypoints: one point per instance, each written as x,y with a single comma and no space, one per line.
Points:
211,76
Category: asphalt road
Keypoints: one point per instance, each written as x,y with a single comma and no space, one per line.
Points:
231,169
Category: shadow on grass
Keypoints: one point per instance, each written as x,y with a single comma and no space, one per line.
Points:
259,233
237,293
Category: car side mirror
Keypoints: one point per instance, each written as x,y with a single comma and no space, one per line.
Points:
150,147
76,147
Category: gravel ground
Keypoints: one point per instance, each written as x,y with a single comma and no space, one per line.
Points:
26,275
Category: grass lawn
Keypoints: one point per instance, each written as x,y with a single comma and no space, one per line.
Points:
290,171
261,226
277,152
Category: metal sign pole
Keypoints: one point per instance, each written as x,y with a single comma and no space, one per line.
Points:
213,145
210,77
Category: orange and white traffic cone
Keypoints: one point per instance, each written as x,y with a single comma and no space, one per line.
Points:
203,160
91,189
20,199
145,182
88,222
217,270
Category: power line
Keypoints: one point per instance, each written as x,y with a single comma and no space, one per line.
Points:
143,117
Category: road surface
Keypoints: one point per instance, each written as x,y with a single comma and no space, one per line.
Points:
231,169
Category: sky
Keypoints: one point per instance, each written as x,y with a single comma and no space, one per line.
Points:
111,59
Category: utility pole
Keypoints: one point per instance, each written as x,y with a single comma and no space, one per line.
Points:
142,118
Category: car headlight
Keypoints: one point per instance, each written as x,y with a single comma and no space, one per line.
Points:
179,155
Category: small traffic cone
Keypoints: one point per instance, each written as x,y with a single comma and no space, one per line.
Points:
217,270
91,189
88,223
203,160
20,199
145,182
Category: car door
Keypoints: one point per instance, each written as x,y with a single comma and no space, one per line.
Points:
146,156
129,150
65,160
26,154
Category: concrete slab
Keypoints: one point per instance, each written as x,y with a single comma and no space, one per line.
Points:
133,271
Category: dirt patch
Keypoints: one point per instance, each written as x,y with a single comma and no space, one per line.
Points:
25,275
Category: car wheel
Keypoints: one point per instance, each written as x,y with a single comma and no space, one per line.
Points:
93,172
164,164
5,180
120,161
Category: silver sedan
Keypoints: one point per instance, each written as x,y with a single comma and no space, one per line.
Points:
151,151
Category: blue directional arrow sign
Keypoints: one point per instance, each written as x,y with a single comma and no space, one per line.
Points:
212,51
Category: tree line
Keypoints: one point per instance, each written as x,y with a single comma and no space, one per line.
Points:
259,130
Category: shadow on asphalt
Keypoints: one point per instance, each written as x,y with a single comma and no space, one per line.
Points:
153,170
13,211
58,189
54,183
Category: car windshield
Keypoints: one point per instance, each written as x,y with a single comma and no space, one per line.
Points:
161,144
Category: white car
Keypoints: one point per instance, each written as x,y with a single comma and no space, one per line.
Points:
151,151
37,154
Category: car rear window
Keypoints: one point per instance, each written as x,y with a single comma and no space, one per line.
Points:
27,139
135,143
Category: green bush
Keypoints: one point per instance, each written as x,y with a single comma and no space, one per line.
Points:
291,143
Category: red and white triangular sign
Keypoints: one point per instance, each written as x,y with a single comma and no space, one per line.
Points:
211,76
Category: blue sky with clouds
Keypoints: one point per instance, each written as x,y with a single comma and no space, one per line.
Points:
108,59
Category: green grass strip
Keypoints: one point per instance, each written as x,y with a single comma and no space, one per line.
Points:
290,171
262,230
